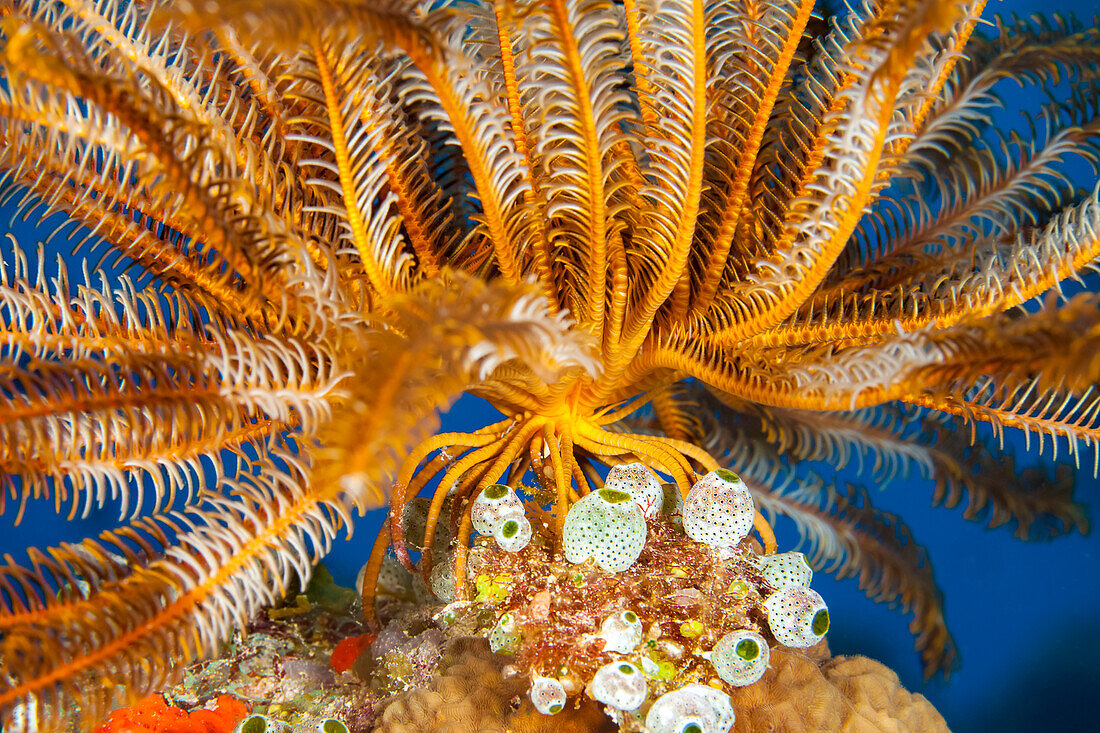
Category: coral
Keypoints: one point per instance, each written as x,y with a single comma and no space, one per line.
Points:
471,694
805,691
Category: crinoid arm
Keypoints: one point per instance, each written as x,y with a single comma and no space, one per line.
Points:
121,614
229,407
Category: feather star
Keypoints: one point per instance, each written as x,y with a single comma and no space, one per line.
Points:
687,233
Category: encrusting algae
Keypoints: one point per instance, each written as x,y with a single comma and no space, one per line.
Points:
154,715
697,253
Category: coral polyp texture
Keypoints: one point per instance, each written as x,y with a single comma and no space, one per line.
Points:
720,248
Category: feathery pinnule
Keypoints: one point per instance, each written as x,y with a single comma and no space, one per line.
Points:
685,233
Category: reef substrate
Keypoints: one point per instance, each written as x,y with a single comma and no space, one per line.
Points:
424,675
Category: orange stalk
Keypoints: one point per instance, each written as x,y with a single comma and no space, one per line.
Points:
370,577
450,478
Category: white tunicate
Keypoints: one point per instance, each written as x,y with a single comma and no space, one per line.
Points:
414,522
442,579
513,534
740,657
719,510
638,481
673,507
797,616
691,709
787,570
495,504
332,725
547,695
620,685
621,632
395,580
505,637
450,613
261,724
608,526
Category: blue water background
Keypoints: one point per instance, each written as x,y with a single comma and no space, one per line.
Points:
1025,616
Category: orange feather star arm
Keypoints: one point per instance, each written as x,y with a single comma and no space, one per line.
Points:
839,174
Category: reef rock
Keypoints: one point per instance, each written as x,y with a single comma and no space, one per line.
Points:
419,678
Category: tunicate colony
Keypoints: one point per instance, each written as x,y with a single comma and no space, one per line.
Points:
608,528
497,511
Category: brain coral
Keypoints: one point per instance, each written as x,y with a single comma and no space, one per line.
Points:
806,691
471,694
803,691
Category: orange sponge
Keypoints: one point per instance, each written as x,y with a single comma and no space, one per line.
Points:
154,715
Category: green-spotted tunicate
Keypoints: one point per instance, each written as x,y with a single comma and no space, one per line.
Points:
672,509
638,481
787,570
547,695
718,510
740,657
693,708
797,616
442,579
332,725
494,505
261,724
505,637
620,685
621,632
513,534
608,526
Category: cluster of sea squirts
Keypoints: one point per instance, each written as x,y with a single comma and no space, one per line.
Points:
658,609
